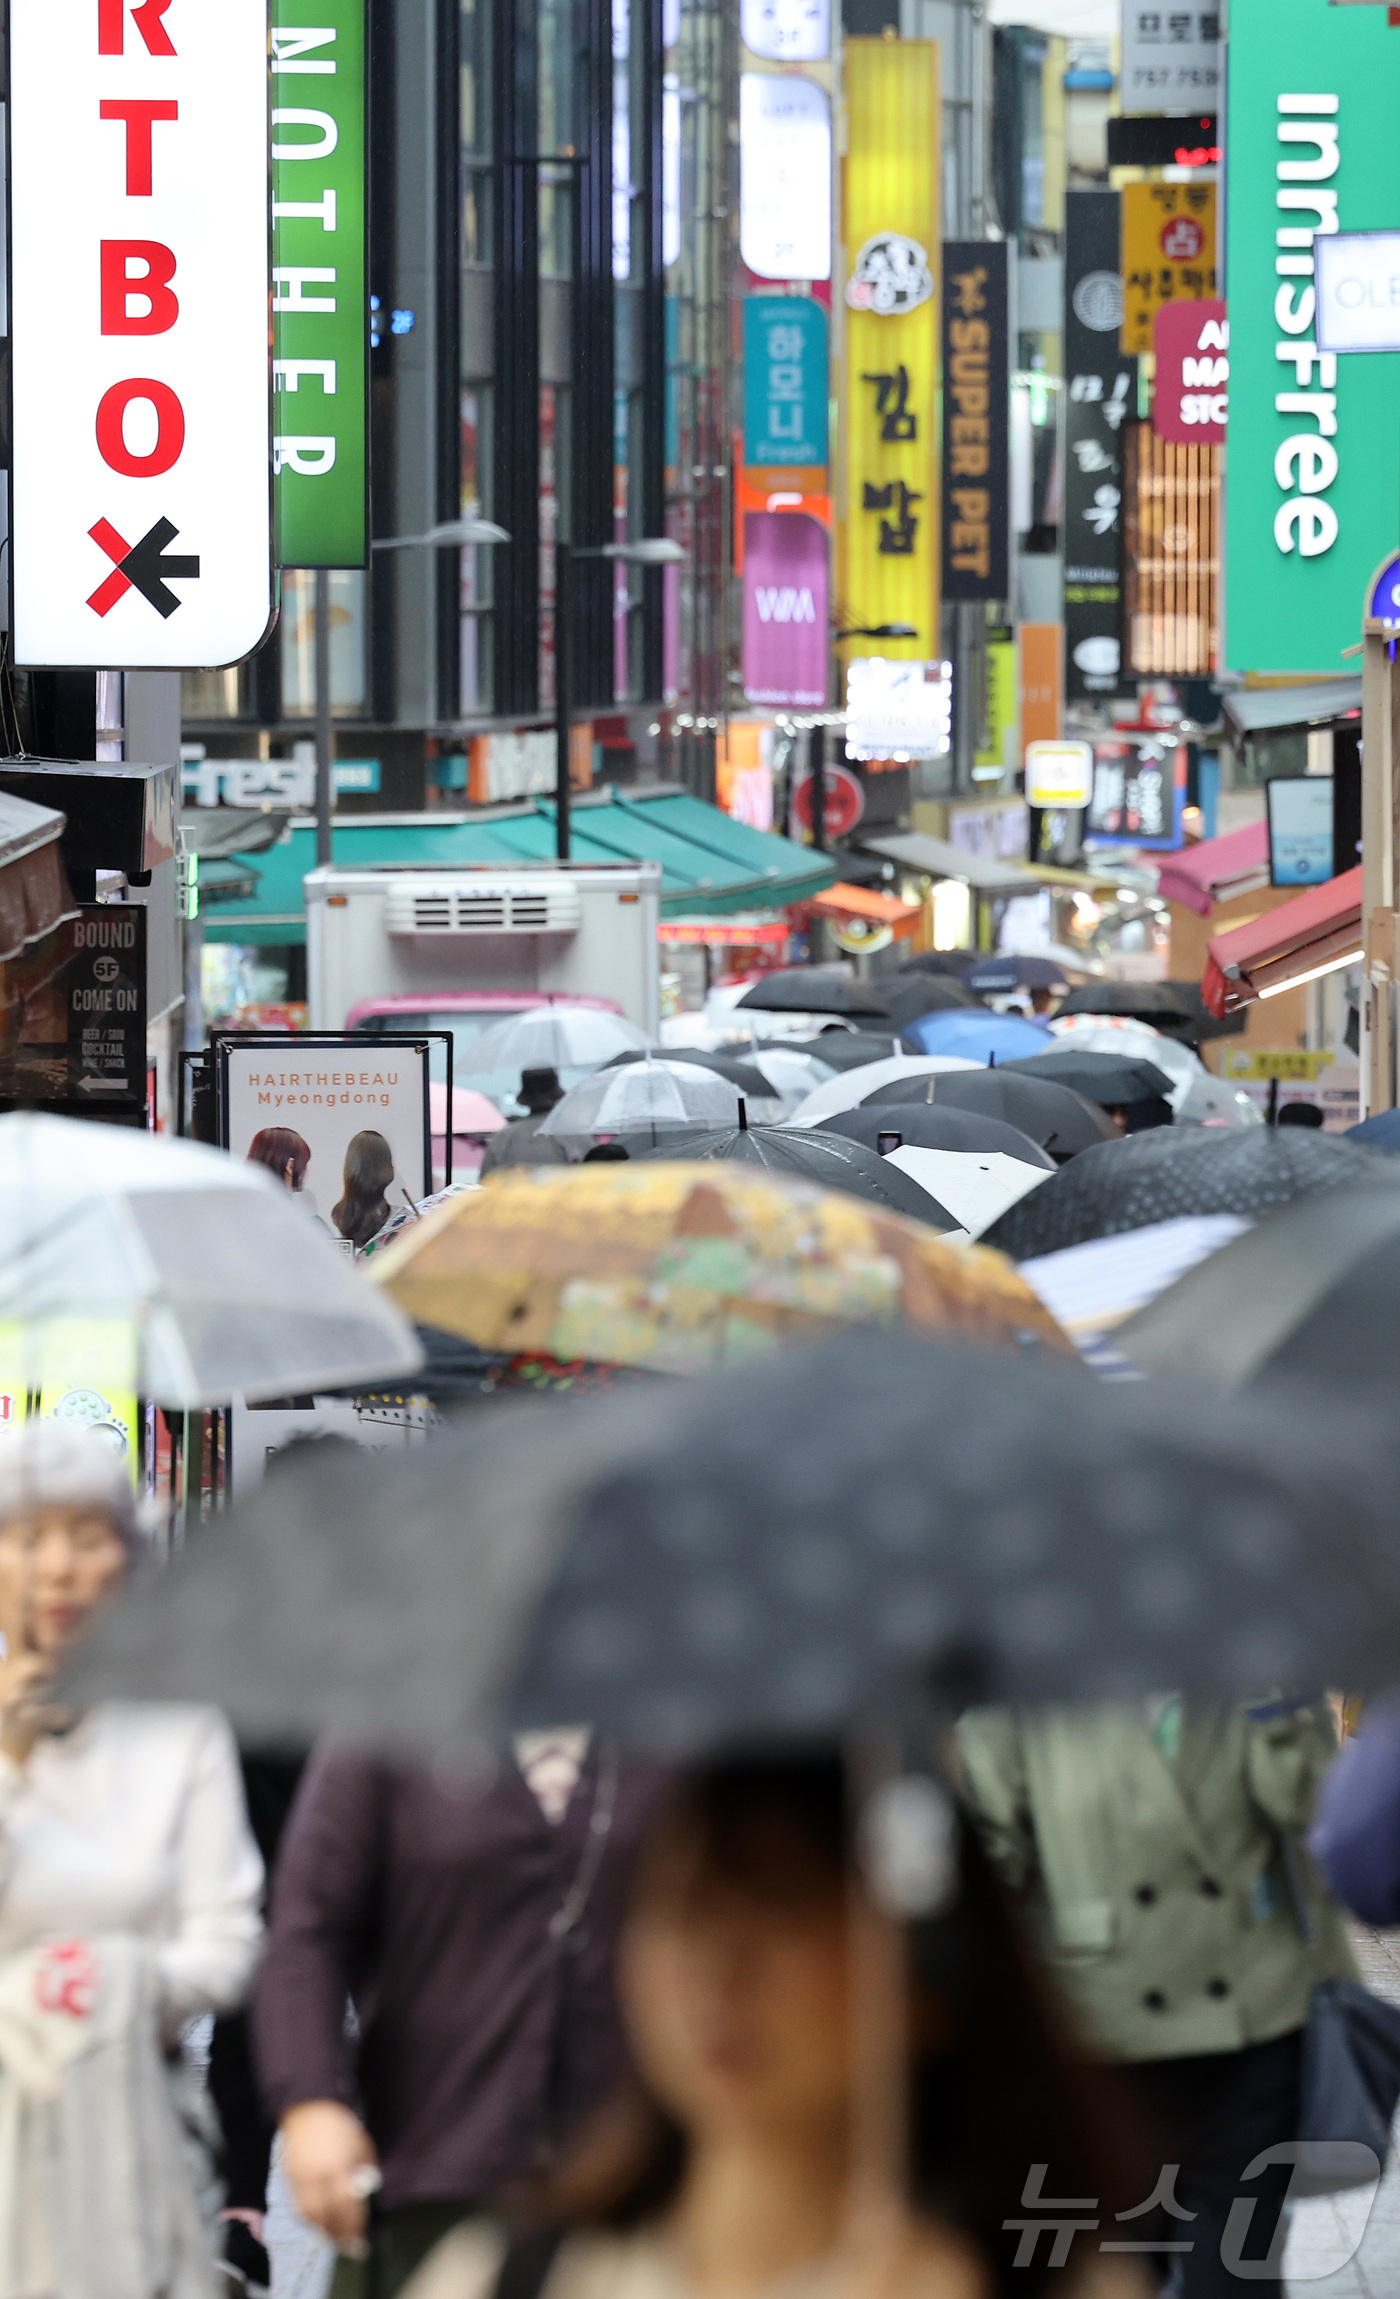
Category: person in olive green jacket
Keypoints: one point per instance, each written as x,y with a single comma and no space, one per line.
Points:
1158,1852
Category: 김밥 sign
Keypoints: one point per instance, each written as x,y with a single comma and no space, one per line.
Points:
320,309
1314,458
140,464
976,355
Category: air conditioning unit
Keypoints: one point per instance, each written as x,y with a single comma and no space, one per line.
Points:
547,902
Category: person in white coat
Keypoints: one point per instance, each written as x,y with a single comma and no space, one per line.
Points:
129,1902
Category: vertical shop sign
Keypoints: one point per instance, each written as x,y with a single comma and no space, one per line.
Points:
785,381
1168,253
976,451
786,611
1313,470
320,306
1101,393
784,176
891,527
141,513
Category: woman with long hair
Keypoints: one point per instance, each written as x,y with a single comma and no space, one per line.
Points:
364,1208
740,2162
284,1153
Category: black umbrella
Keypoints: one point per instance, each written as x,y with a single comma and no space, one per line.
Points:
1011,970
1312,1291
740,1073
844,1049
1061,1121
1157,1003
1156,1176
1111,1081
920,1125
764,1555
810,990
918,994
817,1156
953,962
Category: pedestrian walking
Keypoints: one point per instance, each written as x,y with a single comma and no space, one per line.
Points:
1158,1850
521,1142
1355,1838
472,1924
129,1888
737,2161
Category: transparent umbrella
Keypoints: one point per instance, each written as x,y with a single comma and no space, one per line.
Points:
556,1038
230,1289
645,1094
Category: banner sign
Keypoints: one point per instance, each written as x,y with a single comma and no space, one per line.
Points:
1358,291
891,530
976,455
1191,399
1313,476
320,305
1168,253
140,471
784,176
1101,395
80,1038
785,381
342,1118
1170,56
787,635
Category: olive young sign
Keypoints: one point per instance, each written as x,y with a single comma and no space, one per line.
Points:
1313,474
141,472
320,366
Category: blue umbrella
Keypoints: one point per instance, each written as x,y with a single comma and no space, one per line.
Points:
1382,1132
977,1037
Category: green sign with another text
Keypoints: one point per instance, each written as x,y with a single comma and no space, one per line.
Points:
320,307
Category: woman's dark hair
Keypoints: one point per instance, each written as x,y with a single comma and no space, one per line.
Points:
276,1147
1000,2108
369,1169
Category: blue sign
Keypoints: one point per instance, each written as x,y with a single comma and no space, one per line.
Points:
1384,604
357,774
785,380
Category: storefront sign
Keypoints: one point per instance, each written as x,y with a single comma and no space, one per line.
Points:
1168,253
1138,796
320,309
784,176
1170,56
1059,773
1300,829
1358,291
997,748
140,467
977,382
1101,395
81,1037
1191,398
787,31
313,1102
787,626
786,383
898,710
890,539
1313,476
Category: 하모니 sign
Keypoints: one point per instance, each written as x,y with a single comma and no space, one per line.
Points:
785,381
141,523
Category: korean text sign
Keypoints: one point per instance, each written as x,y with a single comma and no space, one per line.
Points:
891,527
141,471
977,384
1313,471
1101,391
1170,55
320,307
785,381
1168,252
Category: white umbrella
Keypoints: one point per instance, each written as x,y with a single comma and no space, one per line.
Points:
848,1089
645,1094
231,1288
793,1076
555,1038
974,1185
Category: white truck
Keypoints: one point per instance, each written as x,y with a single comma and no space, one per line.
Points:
404,933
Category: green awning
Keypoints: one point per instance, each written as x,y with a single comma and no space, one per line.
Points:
710,864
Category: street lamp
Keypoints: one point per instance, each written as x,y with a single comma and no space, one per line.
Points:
454,532
646,551
877,631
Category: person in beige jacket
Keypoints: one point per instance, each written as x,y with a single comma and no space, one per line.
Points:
1158,1851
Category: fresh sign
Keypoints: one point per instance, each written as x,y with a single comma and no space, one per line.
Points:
140,471
320,367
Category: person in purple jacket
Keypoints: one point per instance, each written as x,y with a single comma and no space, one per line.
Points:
471,1925
1355,1838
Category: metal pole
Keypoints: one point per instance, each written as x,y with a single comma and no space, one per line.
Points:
323,717
816,752
563,605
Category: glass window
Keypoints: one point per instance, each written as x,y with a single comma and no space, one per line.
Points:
214,694
298,626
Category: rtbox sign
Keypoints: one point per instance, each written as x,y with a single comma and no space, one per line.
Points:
141,512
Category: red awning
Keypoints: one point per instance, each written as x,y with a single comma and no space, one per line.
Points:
1321,929
1217,869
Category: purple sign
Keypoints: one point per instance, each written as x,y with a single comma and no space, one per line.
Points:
786,636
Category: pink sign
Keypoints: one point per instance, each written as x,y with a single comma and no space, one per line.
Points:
787,639
1192,343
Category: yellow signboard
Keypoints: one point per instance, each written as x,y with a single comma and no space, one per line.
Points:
80,1370
1168,253
888,564
1286,1066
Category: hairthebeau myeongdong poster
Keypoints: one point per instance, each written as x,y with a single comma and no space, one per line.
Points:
1312,460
